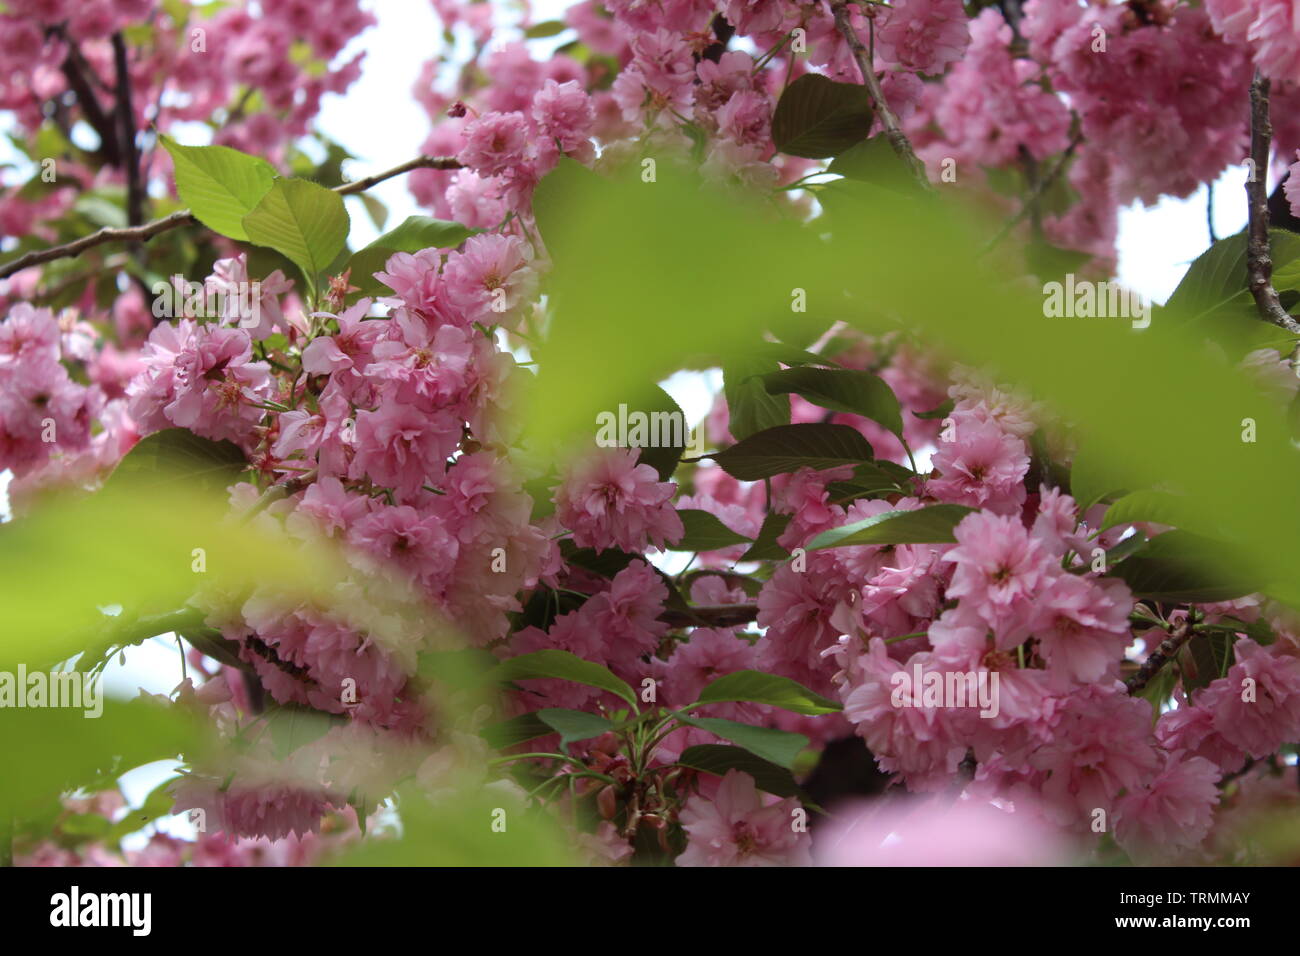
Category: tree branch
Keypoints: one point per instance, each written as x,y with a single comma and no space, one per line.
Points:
78,73
888,121
1180,635
184,217
716,615
129,155
1259,261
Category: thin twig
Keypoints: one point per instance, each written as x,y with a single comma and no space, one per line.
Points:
1180,635
184,217
1259,261
1031,201
888,121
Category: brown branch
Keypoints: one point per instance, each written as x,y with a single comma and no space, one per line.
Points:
78,73
420,162
1259,261
888,121
1180,635
130,155
184,217
715,615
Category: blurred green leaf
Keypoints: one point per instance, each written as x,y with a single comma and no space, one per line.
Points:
719,758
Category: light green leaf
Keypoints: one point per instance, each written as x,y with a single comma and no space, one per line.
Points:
305,222
220,185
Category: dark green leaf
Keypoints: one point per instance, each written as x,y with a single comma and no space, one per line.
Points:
553,663
704,532
817,117
760,688
719,758
778,746
788,448
932,525
843,390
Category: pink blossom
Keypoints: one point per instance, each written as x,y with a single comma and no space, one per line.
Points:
923,35
741,827
608,500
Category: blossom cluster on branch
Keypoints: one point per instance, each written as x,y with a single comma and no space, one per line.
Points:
884,545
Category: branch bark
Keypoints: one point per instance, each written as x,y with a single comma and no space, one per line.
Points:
1180,635
184,217
888,121
129,154
1259,261
716,615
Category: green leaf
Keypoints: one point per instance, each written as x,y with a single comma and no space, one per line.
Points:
563,665
719,758
306,222
765,546
1216,279
220,185
574,724
869,480
1182,567
787,448
750,407
375,209
817,117
932,525
1156,507
547,28
50,749
778,746
1210,656
874,161
292,727
759,688
1092,480
843,390
705,532
468,826
178,455
515,731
